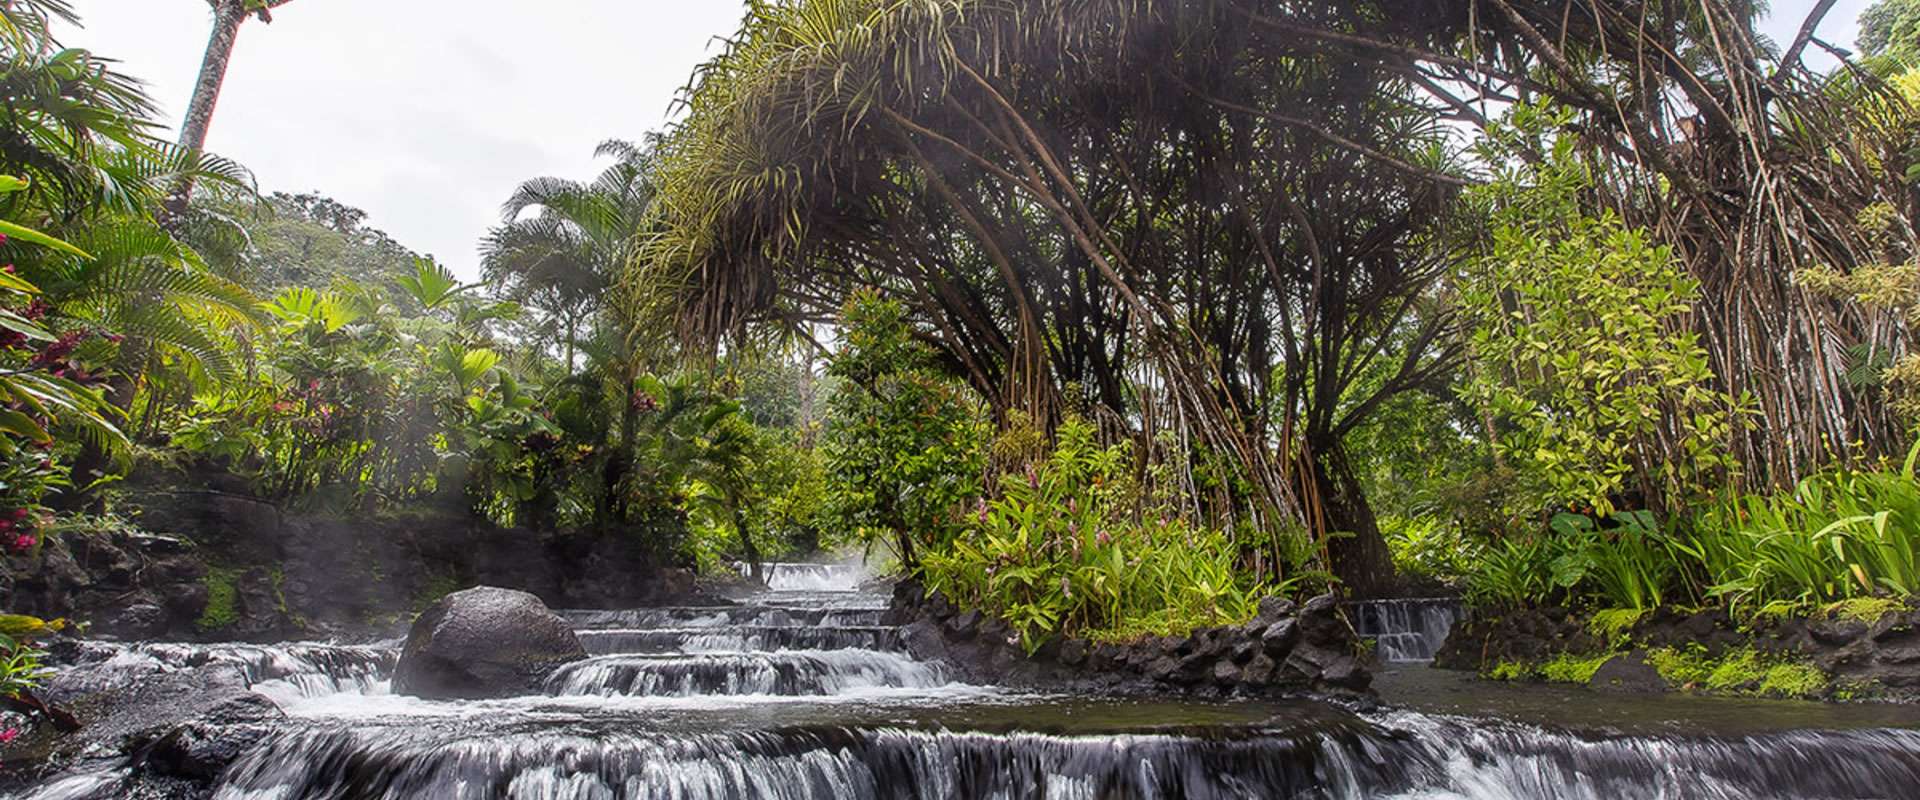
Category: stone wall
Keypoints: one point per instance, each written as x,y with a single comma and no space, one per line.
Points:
210,562
1286,648
1878,658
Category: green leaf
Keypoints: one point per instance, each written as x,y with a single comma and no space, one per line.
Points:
27,234
22,425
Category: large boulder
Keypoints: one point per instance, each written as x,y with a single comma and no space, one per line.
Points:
484,642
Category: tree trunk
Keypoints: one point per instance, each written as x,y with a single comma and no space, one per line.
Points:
227,17
1359,553
747,546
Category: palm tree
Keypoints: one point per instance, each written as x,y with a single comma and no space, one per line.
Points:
79,135
227,18
561,243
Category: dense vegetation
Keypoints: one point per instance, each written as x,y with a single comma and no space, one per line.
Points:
1614,310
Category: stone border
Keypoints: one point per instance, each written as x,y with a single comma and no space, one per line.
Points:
1286,649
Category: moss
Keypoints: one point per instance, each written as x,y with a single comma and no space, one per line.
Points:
1743,672
1510,671
1793,680
1614,625
1740,670
1569,668
1864,609
223,595
1681,668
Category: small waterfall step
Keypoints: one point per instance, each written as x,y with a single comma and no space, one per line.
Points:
792,673
800,577
721,616
738,638
301,669
1407,756
1407,630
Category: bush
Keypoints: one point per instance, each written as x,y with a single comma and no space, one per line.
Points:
1068,549
1580,349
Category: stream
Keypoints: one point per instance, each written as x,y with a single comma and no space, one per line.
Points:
802,693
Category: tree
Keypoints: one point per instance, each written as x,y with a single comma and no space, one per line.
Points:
561,243
904,446
228,15
1151,235
1891,28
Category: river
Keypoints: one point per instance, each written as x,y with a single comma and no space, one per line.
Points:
802,693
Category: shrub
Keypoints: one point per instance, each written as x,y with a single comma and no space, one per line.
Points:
1068,549
1580,346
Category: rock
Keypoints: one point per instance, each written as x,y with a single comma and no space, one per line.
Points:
1837,632
1279,637
200,749
138,621
1259,671
1244,649
1630,673
1073,652
1225,673
1346,672
484,642
923,641
963,626
1162,668
1909,654
1272,610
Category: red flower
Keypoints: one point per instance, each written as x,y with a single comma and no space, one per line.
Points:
7,736
24,542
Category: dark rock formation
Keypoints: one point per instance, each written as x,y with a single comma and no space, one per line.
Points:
1629,672
484,642
1286,648
210,562
1880,658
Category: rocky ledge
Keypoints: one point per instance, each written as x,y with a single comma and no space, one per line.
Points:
1286,649
1877,658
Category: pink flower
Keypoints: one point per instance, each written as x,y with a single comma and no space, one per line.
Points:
7,736
1103,538
24,542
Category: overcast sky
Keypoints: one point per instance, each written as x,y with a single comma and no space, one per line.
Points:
427,113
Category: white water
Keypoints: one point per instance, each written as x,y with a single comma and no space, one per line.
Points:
791,697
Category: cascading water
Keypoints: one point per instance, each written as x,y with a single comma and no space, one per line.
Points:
1406,631
783,577
802,694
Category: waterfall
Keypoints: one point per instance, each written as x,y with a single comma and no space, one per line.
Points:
615,641
1405,756
795,673
1406,630
785,577
803,694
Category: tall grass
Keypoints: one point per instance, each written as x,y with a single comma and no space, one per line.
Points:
1839,535
1838,538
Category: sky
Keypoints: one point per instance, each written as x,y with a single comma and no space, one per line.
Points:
424,113
427,113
